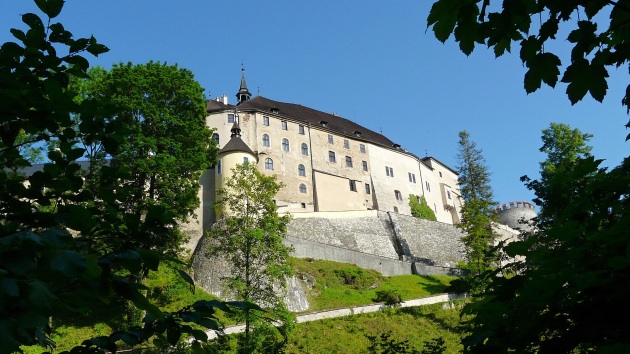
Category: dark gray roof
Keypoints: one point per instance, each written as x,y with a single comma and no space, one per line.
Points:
236,144
425,159
307,115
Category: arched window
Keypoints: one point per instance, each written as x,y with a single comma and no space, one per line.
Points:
269,164
266,140
303,188
285,144
304,149
215,137
301,170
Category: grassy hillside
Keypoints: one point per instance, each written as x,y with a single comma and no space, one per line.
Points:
328,285
332,285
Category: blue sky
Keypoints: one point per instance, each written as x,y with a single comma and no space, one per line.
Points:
369,61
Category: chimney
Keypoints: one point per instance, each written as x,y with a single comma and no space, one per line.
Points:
224,99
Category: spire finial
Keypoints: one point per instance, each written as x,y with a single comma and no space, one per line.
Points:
243,93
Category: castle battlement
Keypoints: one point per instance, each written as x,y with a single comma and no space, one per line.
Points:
517,204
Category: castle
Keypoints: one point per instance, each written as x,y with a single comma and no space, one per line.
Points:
326,162
346,186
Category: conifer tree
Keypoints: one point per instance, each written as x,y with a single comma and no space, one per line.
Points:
478,209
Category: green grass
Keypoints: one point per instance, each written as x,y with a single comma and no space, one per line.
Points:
335,285
168,291
419,327
343,284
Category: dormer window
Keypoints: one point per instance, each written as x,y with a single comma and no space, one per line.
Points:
396,146
357,133
323,123
274,109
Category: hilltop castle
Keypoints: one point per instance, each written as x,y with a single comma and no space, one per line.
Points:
326,162
346,186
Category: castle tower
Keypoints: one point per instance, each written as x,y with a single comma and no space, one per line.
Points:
515,213
235,152
243,93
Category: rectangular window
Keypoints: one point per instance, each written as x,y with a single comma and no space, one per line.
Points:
428,187
219,167
448,194
245,159
348,161
353,185
330,139
364,163
266,121
367,189
301,129
362,148
230,118
398,195
331,156
412,177
346,144
303,205
284,125
389,171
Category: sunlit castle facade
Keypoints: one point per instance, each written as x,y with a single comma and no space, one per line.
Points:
327,163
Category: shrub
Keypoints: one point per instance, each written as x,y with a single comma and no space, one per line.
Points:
389,297
420,208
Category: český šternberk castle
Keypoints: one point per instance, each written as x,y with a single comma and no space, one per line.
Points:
346,186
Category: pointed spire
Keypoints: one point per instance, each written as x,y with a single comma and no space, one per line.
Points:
243,93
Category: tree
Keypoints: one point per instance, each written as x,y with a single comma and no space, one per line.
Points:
478,209
565,291
532,24
45,269
421,209
249,235
562,145
166,146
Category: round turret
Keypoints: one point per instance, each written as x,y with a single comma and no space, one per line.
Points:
513,213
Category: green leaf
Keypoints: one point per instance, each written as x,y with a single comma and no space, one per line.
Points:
199,335
34,22
79,45
548,30
78,217
197,348
9,287
529,48
443,17
40,297
151,259
95,48
9,342
584,77
72,264
592,8
543,67
173,334
78,61
501,46
18,34
51,8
